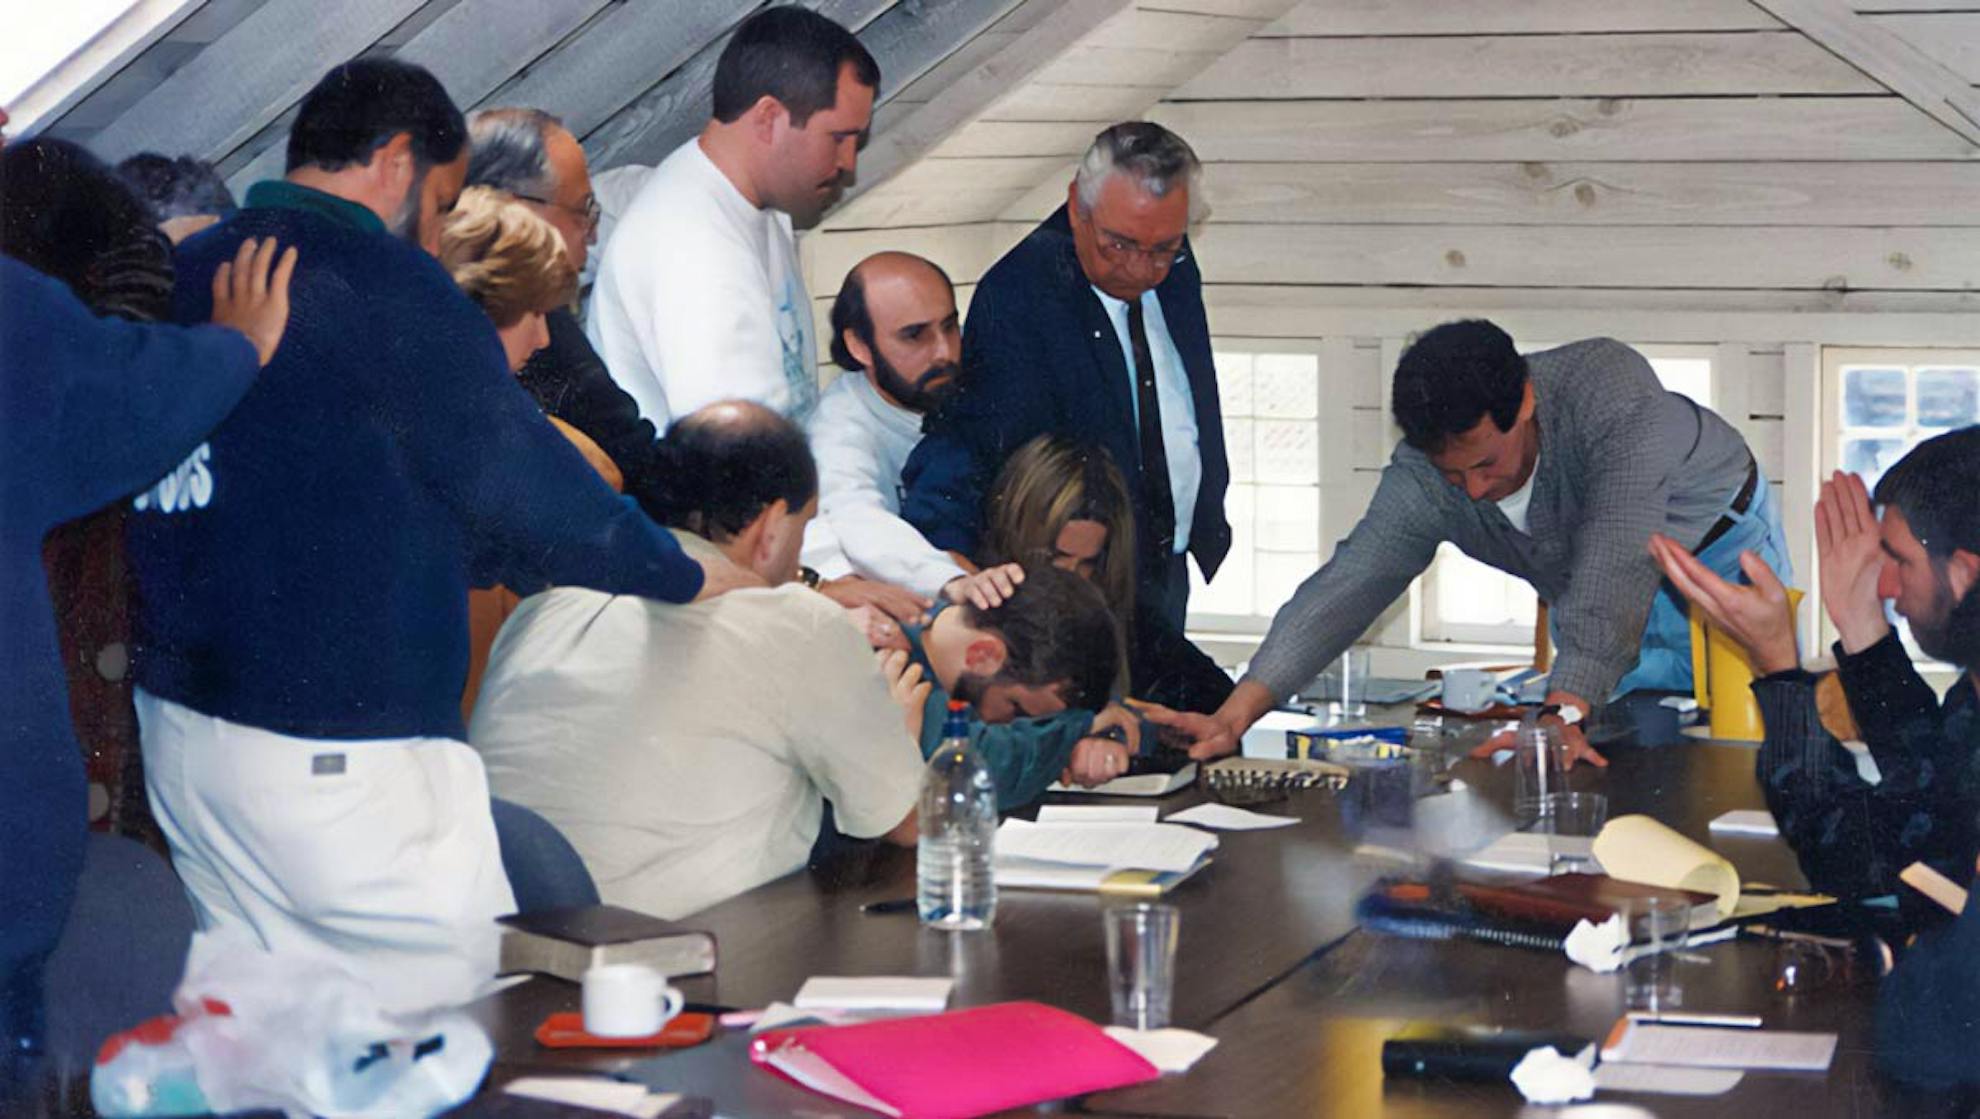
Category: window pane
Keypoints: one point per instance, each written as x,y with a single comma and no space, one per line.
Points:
1289,520
1873,397
1871,457
1948,398
1288,451
1237,448
1686,376
1472,593
1286,386
1231,591
1234,383
1279,576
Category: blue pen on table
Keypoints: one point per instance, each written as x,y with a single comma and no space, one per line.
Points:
891,905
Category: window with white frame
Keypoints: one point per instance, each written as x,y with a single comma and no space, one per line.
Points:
1467,602
1271,405
1879,404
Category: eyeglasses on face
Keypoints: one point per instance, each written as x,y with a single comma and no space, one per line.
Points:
588,212
1126,250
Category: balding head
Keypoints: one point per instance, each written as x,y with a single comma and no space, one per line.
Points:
895,320
742,476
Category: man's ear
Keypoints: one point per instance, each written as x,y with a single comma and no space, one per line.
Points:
769,529
764,117
391,170
857,347
1962,572
984,656
1526,404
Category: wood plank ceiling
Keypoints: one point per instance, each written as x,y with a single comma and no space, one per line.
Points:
1791,152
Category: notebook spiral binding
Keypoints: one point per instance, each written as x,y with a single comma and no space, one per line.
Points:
1245,781
1382,916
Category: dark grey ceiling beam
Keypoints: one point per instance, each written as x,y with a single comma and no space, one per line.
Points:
248,77
473,48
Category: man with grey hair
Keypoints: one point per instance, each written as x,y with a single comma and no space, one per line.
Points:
1093,328
531,155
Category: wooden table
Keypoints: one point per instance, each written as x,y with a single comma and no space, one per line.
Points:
1267,963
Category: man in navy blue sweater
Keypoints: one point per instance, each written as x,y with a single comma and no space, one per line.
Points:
95,408
303,575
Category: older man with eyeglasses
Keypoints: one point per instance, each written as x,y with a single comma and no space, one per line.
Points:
1092,327
531,155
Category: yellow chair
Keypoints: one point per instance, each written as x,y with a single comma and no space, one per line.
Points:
1722,678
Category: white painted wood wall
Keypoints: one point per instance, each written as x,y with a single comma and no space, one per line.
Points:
1680,171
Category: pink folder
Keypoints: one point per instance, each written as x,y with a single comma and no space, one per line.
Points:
954,1065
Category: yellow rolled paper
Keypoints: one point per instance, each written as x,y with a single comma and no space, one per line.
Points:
1639,849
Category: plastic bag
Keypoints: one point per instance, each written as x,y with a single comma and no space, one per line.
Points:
294,1033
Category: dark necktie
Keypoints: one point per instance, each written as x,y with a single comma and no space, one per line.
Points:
1159,502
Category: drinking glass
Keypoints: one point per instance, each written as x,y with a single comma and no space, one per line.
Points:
1141,962
1658,927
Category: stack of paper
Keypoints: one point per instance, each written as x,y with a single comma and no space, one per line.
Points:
1134,858
1707,1047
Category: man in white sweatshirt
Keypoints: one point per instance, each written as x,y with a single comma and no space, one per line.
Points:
699,295
896,333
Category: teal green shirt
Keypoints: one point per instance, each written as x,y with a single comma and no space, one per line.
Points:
284,195
1024,755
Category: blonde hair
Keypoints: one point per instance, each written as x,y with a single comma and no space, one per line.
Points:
1049,483
507,259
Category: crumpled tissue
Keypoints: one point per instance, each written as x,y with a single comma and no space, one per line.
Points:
1598,947
1544,1076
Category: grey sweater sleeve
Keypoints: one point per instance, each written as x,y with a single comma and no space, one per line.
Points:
1396,539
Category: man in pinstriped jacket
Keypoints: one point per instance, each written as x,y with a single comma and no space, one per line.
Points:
1556,468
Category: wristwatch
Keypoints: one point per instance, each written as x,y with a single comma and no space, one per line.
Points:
1564,712
810,577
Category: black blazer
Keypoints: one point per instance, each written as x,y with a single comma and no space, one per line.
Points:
568,381
1040,356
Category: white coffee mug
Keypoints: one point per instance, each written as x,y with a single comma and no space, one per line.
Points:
627,1000
1469,689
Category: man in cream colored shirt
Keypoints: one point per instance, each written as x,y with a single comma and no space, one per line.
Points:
687,752
898,337
699,295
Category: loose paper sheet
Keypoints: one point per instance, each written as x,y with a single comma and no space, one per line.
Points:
1747,821
1528,853
1098,813
1639,849
1223,817
1121,846
610,1096
874,992
1171,1050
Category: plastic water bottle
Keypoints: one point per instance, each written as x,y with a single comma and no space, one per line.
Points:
955,888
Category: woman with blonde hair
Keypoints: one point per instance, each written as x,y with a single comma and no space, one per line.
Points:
512,263
1064,503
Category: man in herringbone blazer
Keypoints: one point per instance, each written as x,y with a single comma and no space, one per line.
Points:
1555,467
